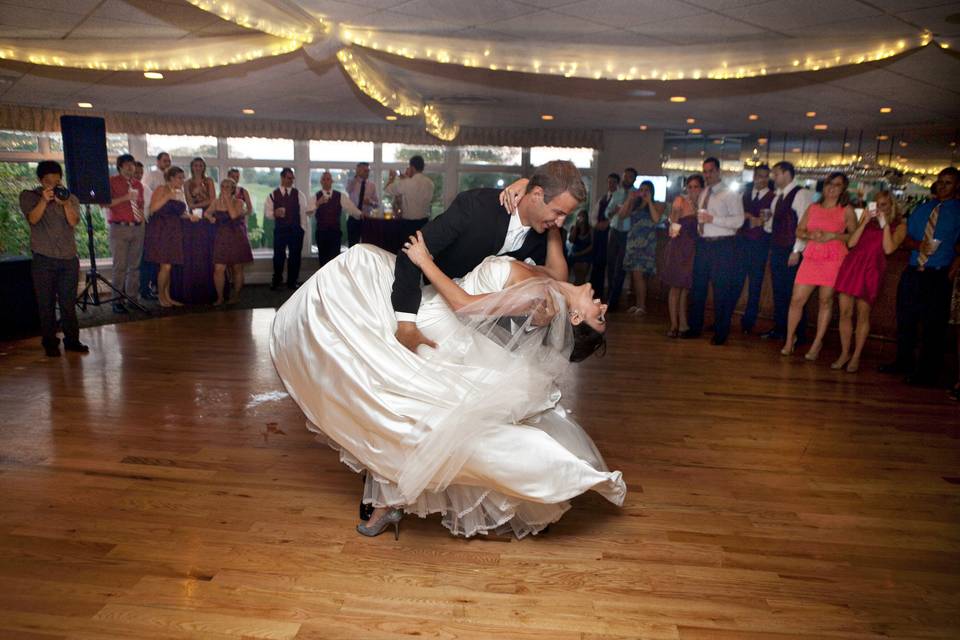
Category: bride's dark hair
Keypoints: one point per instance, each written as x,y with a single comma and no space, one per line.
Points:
586,342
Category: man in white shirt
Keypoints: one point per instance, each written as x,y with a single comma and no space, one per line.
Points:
288,208
789,205
151,182
415,191
720,216
330,204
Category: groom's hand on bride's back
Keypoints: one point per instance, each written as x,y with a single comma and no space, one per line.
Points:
409,336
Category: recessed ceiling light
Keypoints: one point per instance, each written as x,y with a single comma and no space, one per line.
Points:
695,131
546,116
391,118
795,150
153,75
643,127
691,120
761,141
885,109
903,143
846,145
85,105
820,127
718,142
248,112
811,114
678,99
883,136
753,116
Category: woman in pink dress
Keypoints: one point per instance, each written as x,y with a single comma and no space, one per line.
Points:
825,226
878,235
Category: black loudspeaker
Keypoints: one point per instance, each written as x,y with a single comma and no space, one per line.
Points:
85,153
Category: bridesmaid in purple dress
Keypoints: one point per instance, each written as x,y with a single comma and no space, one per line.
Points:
230,246
678,255
878,234
166,235
193,282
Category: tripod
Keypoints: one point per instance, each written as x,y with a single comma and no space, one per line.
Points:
91,292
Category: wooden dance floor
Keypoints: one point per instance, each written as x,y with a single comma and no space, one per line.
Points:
165,487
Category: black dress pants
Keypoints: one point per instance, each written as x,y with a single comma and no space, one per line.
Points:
287,238
716,264
923,301
55,282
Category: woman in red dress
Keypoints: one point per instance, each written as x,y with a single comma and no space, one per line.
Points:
878,235
826,226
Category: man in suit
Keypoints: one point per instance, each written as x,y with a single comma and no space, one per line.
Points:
476,225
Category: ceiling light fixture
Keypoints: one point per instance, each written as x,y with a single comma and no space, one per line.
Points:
546,116
248,111
153,75
761,141
820,127
811,114
391,118
753,116
795,150
885,109
695,132
883,137
691,120
643,127
678,99
85,105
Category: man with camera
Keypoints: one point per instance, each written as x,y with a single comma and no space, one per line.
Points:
53,213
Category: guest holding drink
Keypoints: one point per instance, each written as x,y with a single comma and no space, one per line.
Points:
165,248
753,243
826,226
679,253
581,247
878,234
125,216
640,257
193,281
288,207
242,195
231,248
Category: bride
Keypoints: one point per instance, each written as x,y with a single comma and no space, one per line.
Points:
471,429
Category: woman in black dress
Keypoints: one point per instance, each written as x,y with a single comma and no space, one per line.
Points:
165,246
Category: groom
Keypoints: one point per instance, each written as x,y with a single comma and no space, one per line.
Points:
476,225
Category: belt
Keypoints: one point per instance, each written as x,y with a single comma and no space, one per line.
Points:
926,269
717,238
126,224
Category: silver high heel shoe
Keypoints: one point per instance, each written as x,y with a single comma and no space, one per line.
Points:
391,517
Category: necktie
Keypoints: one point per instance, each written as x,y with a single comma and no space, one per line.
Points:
928,236
363,192
706,201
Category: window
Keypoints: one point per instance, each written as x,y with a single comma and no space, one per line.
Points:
267,148
117,144
18,141
395,152
340,151
492,180
14,228
582,157
491,155
181,146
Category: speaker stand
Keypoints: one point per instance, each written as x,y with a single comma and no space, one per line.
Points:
91,291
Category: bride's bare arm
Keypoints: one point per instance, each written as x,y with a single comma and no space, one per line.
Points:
454,295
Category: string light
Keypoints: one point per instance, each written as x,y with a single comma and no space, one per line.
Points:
267,17
437,126
376,85
189,53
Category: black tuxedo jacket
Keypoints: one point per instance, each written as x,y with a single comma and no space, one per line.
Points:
473,227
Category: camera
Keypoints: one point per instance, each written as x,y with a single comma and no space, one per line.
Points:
61,192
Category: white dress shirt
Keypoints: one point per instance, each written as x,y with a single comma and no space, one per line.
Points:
726,207
151,181
800,203
305,209
516,234
417,194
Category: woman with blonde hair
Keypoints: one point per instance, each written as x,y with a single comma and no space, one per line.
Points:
231,247
878,234
679,253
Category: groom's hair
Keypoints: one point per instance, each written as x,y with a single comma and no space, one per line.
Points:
556,177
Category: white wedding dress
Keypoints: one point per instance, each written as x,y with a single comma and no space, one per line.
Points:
506,459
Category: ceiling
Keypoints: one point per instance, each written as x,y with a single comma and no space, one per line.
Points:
922,87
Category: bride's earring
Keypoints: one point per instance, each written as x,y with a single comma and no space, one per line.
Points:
575,317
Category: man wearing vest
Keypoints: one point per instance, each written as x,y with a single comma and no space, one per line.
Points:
288,208
753,242
923,295
719,218
330,204
789,205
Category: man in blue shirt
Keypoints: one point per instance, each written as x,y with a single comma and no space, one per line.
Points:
923,295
